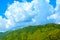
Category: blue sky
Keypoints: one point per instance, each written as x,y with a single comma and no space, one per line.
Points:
53,3
4,5
19,13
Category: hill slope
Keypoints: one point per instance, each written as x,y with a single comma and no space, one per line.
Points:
39,32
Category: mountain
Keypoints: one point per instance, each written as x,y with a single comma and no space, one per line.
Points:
1,34
38,32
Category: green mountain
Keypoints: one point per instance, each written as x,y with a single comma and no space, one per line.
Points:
39,32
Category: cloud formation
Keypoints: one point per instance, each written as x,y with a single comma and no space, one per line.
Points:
56,15
20,14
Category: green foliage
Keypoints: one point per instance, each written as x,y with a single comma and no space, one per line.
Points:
39,32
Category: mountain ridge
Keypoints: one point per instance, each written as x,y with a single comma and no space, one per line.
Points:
38,32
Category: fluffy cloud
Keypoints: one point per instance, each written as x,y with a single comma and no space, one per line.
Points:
20,14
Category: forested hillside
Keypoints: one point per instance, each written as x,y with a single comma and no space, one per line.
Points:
39,32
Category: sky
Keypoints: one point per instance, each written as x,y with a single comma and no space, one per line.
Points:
20,13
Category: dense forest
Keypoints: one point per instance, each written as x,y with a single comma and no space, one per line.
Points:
38,32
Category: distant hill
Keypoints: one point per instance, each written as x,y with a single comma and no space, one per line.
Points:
1,34
39,32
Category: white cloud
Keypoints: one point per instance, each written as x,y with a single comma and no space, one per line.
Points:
24,13
54,16
47,1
